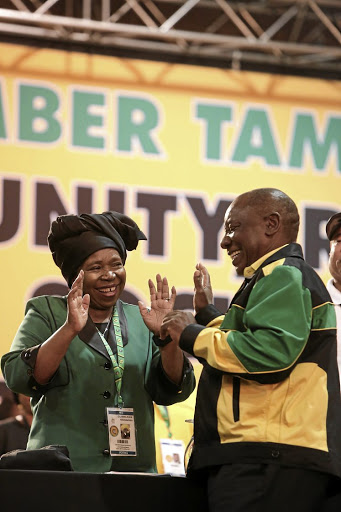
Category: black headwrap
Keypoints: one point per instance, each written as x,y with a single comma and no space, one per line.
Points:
73,238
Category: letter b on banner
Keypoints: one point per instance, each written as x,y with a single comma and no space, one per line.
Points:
37,110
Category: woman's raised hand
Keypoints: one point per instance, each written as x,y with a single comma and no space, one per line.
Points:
77,304
161,303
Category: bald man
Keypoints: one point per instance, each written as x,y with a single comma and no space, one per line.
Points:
268,412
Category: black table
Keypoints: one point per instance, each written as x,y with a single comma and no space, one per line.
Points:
68,491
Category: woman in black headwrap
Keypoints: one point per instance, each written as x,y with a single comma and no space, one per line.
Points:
92,364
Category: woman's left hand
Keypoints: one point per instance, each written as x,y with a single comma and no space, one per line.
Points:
160,304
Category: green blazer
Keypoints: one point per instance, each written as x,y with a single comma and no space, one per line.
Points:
71,409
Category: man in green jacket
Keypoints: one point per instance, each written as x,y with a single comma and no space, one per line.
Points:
268,412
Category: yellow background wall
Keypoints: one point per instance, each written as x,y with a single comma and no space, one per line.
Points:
179,169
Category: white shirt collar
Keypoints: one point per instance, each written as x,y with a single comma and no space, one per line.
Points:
333,292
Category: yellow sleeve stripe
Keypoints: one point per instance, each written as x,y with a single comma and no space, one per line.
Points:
212,345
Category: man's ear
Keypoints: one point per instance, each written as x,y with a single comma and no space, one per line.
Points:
272,223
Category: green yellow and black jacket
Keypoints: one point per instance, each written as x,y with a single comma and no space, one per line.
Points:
269,389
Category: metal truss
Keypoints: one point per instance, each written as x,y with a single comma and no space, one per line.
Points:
287,36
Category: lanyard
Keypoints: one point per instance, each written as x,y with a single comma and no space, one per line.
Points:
117,365
163,410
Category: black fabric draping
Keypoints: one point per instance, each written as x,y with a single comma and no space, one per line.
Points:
73,238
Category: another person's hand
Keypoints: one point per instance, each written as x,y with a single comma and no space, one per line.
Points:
174,323
203,294
160,304
77,304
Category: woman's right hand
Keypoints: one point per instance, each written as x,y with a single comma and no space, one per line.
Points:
54,348
77,305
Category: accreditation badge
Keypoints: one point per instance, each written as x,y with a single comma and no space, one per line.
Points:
121,427
173,455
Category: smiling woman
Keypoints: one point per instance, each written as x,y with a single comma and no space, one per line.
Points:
104,281
89,360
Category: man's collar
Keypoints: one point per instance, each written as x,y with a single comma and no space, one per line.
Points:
249,271
334,293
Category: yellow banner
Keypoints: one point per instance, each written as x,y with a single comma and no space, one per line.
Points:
170,145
